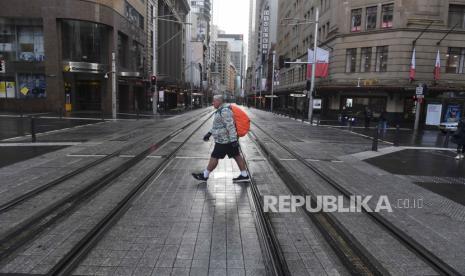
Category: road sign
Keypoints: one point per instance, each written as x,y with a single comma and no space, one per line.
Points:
298,95
419,90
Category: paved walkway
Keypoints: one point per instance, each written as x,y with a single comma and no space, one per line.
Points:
438,226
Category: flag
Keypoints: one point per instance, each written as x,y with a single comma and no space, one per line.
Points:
412,66
437,67
322,63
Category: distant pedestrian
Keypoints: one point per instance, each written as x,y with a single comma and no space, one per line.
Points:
382,123
367,116
226,141
459,138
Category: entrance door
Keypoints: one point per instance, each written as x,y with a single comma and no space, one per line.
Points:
88,95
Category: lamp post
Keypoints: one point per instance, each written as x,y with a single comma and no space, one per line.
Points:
273,80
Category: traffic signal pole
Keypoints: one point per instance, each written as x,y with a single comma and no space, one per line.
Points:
312,87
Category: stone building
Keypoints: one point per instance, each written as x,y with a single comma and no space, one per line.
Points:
59,56
371,44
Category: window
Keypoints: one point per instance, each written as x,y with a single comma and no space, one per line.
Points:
371,18
31,86
21,39
134,16
356,20
84,41
387,14
455,60
381,58
365,60
122,50
351,60
457,16
7,87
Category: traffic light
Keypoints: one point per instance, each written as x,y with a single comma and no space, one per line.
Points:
153,80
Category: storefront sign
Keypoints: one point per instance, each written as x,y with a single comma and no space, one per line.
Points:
83,67
265,30
161,96
433,114
453,113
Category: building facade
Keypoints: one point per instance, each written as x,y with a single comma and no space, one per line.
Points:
236,45
371,45
60,56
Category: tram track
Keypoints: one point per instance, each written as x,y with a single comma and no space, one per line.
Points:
357,259
21,234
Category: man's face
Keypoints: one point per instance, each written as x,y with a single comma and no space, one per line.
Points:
216,103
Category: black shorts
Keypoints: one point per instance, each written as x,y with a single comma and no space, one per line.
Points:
221,150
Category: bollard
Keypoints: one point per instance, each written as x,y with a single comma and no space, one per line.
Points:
397,137
374,146
33,129
103,116
138,114
61,112
446,139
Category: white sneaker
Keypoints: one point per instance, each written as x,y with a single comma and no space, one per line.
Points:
459,156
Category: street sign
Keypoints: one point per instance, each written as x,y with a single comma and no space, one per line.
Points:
419,90
271,96
298,95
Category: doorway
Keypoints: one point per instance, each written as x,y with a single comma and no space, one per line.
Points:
89,95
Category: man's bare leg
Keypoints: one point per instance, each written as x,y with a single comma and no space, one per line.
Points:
240,162
212,164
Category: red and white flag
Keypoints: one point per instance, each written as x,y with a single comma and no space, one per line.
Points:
412,66
322,63
437,67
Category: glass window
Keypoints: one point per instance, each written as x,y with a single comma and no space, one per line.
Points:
457,16
134,16
85,41
455,60
372,13
7,87
21,39
381,58
387,14
365,60
122,50
7,40
138,56
356,20
31,43
31,86
351,60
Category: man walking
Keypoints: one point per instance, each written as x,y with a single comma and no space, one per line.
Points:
226,141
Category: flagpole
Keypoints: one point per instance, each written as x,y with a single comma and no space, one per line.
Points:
312,86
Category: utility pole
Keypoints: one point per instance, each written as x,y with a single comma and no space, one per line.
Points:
261,83
312,86
113,85
155,53
273,80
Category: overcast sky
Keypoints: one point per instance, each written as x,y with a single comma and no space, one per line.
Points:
232,16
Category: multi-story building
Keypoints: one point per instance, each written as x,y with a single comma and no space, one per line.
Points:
236,46
223,63
171,52
60,56
197,50
264,21
371,45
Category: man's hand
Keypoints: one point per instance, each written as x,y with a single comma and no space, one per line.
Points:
235,144
207,137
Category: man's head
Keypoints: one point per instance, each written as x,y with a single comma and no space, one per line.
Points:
217,101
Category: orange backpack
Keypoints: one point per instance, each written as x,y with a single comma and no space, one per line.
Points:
241,120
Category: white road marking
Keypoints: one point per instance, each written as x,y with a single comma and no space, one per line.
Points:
39,144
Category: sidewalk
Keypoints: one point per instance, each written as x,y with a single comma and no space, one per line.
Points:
438,226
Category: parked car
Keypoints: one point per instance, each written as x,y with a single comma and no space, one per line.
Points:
448,126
